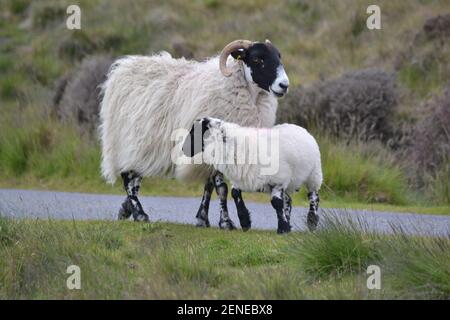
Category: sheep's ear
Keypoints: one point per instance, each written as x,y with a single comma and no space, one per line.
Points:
193,142
239,54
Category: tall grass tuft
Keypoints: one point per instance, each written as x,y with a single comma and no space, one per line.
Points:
411,266
34,142
9,231
365,169
340,247
420,267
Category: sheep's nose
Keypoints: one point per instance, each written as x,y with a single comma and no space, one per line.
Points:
284,86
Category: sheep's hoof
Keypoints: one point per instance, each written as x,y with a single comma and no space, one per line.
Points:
312,221
227,224
123,215
141,217
283,227
202,223
244,219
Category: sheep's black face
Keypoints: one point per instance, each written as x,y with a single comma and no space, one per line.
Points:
263,65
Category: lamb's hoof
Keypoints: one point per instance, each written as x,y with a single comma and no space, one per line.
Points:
227,224
283,227
312,221
202,223
244,219
141,217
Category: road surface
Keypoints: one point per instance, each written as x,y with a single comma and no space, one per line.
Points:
79,206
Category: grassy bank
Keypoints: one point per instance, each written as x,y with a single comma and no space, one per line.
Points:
129,260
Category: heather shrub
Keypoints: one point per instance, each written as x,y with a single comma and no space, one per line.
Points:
437,27
48,15
77,97
431,137
76,45
429,148
423,65
357,105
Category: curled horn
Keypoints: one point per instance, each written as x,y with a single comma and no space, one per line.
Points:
235,45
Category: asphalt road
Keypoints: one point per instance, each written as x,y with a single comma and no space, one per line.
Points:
79,206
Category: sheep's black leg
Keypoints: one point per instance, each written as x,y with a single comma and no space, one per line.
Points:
222,192
202,213
313,216
243,213
282,206
131,205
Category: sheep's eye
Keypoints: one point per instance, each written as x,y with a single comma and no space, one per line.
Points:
258,60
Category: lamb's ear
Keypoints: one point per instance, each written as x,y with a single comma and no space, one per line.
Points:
239,54
193,142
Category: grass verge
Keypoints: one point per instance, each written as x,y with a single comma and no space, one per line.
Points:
155,261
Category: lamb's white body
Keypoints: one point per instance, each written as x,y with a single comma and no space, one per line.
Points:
298,154
147,97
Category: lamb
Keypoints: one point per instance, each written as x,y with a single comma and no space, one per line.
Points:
292,147
146,98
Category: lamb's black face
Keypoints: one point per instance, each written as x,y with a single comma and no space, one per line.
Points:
263,65
194,140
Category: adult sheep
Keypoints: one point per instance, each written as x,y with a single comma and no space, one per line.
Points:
146,98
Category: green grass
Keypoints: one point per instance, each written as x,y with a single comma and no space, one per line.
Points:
338,249
413,267
127,260
422,264
351,173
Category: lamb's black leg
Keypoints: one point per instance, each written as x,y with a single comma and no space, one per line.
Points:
202,213
282,206
313,216
222,192
243,213
131,205
287,206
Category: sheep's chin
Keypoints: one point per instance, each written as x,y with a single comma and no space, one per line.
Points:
277,95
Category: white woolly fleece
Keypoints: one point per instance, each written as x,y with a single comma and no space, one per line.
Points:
298,154
146,97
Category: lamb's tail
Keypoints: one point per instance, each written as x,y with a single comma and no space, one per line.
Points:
315,179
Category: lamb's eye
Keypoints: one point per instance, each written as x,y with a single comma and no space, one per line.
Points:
258,60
